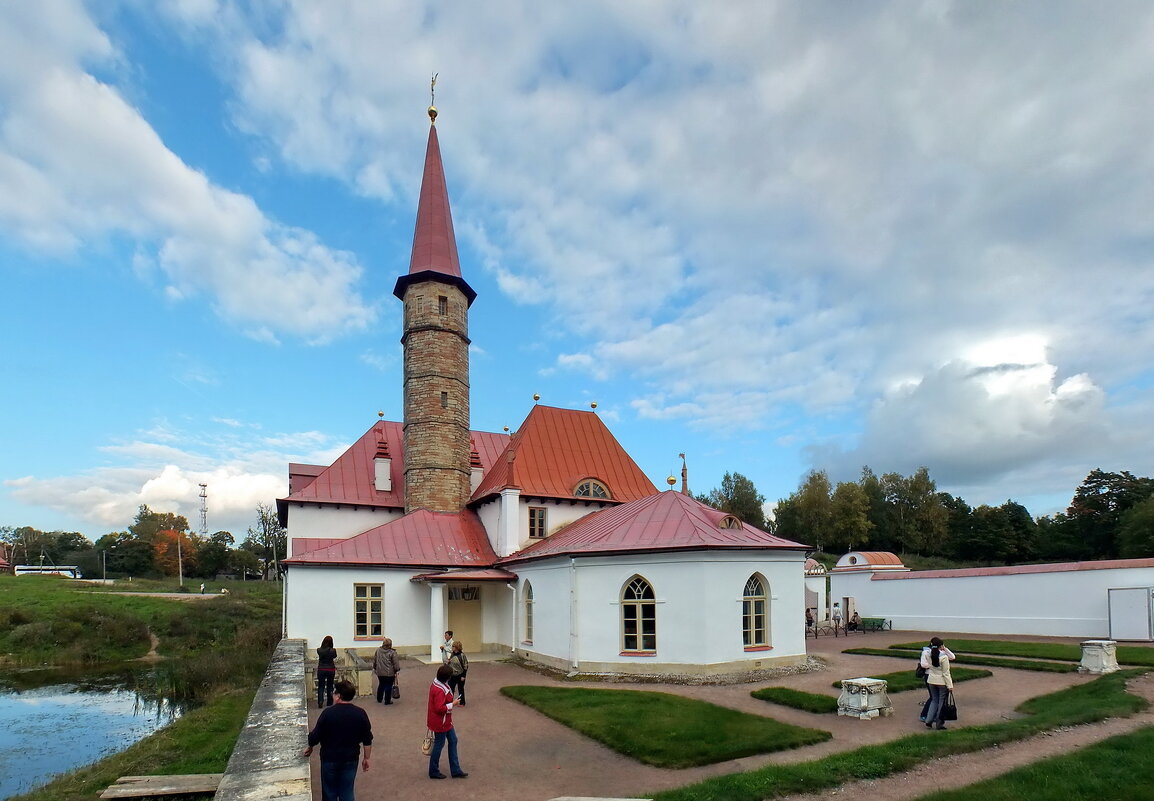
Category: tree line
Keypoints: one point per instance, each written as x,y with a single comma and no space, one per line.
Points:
1111,515
155,545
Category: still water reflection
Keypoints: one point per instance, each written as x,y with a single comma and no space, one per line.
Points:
53,722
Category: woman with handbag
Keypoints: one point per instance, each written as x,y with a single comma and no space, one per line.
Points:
326,672
936,661
387,667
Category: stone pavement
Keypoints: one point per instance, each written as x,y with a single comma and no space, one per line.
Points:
513,753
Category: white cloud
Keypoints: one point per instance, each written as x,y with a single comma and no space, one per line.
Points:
79,163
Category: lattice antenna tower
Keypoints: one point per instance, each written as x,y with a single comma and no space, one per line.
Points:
204,510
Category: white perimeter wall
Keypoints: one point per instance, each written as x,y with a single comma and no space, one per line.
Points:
1072,603
699,606
314,520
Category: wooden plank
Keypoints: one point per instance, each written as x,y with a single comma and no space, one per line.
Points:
136,786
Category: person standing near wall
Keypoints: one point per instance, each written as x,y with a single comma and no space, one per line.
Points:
340,731
836,617
326,672
936,661
388,669
447,648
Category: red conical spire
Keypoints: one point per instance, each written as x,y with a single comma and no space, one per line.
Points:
434,245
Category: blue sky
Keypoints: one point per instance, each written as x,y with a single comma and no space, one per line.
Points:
775,236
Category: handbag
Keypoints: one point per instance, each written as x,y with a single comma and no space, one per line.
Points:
427,743
919,671
950,707
396,690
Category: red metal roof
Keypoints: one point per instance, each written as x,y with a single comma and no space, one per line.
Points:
420,539
301,475
351,479
555,449
479,574
665,521
299,545
434,244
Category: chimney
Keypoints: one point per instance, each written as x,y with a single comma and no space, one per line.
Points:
476,470
384,467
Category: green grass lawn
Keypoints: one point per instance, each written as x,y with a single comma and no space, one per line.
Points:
969,659
797,699
1117,769
901,681
1135,655
1101,698
661,729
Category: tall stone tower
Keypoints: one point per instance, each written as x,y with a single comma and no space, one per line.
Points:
436,344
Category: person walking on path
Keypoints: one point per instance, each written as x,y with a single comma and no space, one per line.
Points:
340,731
387,667
440,722
836,618
936,661
447,648
459,665
326,672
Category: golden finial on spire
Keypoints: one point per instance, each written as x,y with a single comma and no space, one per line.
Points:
432,98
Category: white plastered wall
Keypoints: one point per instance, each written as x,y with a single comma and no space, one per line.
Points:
558,514
1070,603
319,602
318,520
577,614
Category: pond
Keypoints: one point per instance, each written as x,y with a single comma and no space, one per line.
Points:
52,722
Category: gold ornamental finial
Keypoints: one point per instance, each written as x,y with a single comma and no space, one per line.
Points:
432,98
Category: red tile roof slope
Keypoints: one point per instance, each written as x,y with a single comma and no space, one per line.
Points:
554,449
665,521
434,244
419,539
351,478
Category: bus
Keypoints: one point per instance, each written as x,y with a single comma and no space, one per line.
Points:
68,571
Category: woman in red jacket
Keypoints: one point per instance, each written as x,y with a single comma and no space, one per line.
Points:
440,722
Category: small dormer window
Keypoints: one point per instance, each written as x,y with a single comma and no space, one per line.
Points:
591,488
729,521
853,560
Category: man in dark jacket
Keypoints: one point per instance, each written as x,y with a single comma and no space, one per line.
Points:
341,730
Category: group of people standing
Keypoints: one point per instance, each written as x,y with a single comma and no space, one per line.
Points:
935,661
343,730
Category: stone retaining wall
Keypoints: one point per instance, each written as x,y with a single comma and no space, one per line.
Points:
266,761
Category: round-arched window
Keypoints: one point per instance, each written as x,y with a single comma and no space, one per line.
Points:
591,488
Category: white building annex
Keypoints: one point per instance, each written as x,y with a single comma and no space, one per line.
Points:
549,542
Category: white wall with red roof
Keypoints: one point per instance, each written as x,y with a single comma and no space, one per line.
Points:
1059,600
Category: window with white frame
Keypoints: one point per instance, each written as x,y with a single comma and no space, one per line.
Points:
368,610
754,621
527,597
591,488
537,522
638,616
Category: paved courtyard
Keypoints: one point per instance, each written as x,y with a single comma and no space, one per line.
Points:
513,753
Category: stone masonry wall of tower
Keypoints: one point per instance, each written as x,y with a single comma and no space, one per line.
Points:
436,397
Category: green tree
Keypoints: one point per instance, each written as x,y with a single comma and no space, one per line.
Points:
883,534
267,540
1097,507
1136,531
214,554
920,519
850,517
815,508
739,497
148,524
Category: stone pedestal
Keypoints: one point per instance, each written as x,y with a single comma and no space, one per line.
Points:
1098,656
864,698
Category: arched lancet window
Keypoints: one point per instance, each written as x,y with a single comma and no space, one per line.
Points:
592,488
754,613
528,600
638,616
